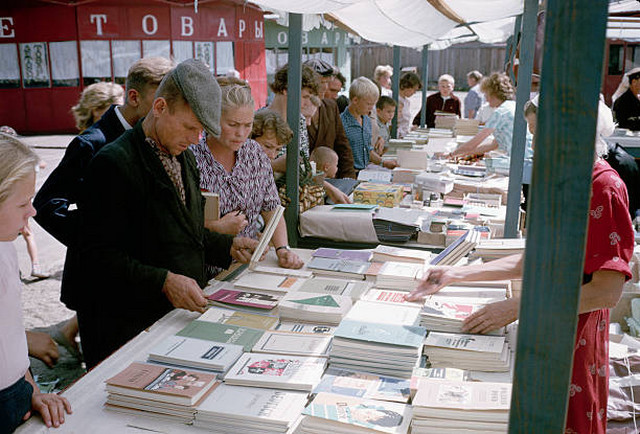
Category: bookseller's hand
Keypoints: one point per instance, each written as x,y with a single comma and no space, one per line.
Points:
184,292
288,259
434,279
43,347
390,164
242,249
492,316
51,407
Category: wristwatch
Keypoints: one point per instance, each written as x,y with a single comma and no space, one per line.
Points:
286,247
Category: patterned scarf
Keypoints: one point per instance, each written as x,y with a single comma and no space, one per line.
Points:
171,166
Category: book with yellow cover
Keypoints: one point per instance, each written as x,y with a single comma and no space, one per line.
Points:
388,195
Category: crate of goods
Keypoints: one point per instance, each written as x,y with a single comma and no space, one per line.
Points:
388,195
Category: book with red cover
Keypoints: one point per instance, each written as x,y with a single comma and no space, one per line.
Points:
245,298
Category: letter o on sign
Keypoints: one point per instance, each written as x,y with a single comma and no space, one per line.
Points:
282,38
149,21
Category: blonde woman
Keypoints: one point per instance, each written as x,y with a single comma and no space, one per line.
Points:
19,394
94,100
237,168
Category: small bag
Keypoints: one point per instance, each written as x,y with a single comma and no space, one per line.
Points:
310,193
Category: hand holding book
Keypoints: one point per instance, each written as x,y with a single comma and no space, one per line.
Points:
434,279
184,292
492,316
242,249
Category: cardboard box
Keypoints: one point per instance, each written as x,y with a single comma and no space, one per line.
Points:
370,193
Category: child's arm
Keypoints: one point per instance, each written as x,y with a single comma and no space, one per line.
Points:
50,406
377,159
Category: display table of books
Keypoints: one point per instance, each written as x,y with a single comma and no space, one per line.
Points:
332,347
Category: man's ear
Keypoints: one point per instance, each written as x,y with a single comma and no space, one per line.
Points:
159,106
133,98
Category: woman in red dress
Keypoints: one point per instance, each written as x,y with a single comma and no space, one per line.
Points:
606,268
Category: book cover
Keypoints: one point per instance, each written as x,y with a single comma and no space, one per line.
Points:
293,343
350,255
449,310
268,282
466,395
265,238
390,334
364,385
389,296
165,382
245,298
338,265
243,319
225,333
389,417
303,327
314,303
468,342
197,353
370,311
319,285
211,205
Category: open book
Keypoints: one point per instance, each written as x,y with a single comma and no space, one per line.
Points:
265,239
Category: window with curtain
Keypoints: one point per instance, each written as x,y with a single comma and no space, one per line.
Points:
35,64
224,57
156,49
64,64
124,54
182,50
271,61
9,67
96,61
204,52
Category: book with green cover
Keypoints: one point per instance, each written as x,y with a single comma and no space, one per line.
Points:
225,333
238,318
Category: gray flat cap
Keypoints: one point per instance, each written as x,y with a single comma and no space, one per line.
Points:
201,90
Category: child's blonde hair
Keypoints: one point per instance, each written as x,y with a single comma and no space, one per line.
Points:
17,162
323,155
362,87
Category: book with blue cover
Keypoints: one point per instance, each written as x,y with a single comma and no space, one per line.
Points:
389,334
364,385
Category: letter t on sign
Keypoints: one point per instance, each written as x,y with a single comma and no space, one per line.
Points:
98,19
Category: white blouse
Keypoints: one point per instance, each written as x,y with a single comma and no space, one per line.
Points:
14,359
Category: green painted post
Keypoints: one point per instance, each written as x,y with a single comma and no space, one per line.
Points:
558,213
425,81
527,48
294,82
395,87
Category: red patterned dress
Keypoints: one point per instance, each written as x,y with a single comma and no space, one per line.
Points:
609,247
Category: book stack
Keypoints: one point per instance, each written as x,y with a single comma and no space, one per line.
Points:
223,315
243,299
383,349
348,288
223,333
385,313
345,414
364,385
251,410
401,175
389,296
466,351
395,144
458,249
454,406
400,224
402,276
196,353
375,175
338,267
349,255
161,391
270,283
445,120
276,371
428,374
413,158
466,127
434,182
397,254
314,307
472,171
295,344
489,250
445,315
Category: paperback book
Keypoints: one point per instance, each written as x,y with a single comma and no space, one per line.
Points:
364,385
224,315
307,306
254,300
296,344
195,353
268,282
224,333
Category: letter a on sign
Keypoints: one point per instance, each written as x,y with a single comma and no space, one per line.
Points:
222,28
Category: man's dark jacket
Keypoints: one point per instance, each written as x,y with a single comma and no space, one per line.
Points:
435,103
327,130
134,230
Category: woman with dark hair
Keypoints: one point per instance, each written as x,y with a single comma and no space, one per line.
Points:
626,105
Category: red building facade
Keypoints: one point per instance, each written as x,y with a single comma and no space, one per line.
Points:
50,51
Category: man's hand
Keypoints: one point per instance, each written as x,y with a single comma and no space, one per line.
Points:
435,279
288,259
51,407
242,249
184,292
379,146
43,347
232,223
492,316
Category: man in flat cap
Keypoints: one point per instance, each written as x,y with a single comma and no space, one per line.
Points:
143,244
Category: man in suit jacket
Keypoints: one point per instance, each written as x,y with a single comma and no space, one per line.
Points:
143,245
62,190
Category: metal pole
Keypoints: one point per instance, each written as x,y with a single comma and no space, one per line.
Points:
425,82
294,82
518,142
558,214
395,87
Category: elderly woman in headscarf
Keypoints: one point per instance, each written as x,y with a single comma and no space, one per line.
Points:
626,105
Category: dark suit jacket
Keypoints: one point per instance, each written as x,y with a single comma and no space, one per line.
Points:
328,131
436,103
626,110
62,187
134,229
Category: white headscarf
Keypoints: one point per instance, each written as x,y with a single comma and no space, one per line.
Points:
624,84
